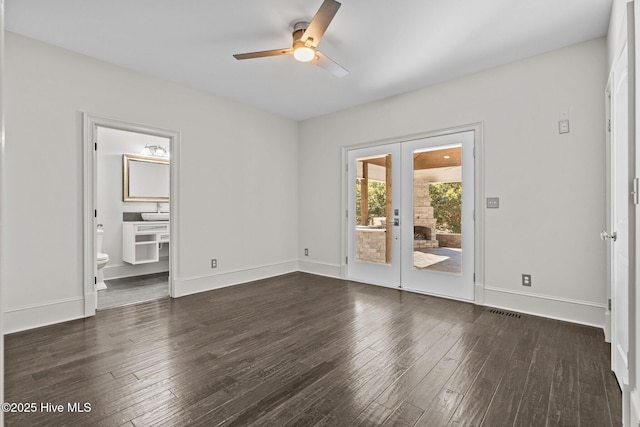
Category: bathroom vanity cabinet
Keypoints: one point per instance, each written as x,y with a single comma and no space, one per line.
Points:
141,240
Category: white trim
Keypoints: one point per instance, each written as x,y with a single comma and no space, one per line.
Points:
91,122
196,284
320,268
3,215
608,211
36,315
479,294
565,309
634,408
479,226
547,297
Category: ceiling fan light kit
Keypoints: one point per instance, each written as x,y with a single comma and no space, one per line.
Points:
306,36
302,51
304,54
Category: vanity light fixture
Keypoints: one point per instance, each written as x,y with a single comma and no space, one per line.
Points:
155,150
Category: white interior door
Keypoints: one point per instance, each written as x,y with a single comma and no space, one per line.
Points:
396,237
620,220
438,247
374,196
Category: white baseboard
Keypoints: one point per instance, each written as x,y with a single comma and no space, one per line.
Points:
568,310
34,316
192,285
127,270
321,269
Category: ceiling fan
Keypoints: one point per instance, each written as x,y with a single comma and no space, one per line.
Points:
306,36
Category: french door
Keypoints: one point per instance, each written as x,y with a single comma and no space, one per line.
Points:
410,215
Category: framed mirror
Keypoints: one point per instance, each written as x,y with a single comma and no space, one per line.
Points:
145,179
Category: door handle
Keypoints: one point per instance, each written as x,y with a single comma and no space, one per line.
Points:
396,222
613,236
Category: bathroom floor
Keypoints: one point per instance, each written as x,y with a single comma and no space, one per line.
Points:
132,290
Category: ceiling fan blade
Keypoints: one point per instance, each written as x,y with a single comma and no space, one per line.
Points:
320,22
323,61
263,53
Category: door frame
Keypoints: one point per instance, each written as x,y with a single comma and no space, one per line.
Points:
479,214
91,122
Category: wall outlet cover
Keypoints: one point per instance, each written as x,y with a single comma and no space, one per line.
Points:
493,202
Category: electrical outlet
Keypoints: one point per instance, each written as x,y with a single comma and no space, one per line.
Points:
214,263
306,252
493,202
526,280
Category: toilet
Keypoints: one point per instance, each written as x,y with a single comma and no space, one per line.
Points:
102,259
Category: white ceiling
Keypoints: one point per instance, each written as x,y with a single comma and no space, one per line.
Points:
389,47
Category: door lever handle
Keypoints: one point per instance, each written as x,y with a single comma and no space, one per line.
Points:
396,222
613,236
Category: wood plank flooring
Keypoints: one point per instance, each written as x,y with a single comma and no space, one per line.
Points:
133,290
303,350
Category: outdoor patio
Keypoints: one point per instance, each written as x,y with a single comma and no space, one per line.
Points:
447,260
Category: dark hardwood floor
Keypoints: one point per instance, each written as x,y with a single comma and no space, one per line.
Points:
300,350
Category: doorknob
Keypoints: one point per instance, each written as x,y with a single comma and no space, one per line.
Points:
604,236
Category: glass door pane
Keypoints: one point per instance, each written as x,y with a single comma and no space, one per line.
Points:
437,209
373,239
373,209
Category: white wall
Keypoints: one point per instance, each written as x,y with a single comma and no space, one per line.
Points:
112,144
550,185
237,182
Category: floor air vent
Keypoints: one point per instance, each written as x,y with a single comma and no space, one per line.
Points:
505,313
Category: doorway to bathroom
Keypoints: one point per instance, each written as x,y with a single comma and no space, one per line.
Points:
129,194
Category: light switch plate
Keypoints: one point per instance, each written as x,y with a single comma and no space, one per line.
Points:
493,202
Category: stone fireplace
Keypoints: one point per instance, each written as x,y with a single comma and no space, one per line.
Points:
424,223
